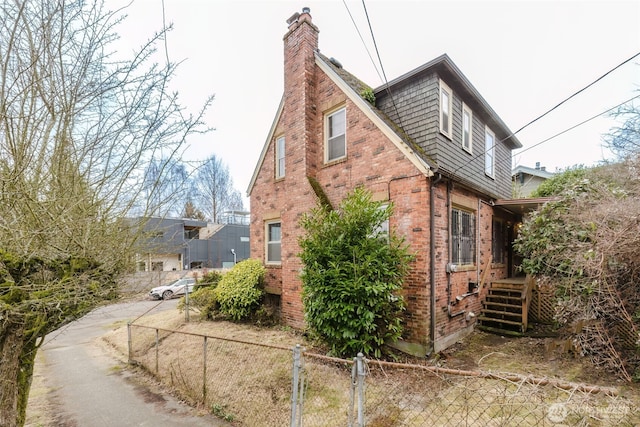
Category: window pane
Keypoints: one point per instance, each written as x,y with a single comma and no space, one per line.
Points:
489,150
466,129
336,140
336,147
274,232
280,157
337,124
445,111
462,237
273,242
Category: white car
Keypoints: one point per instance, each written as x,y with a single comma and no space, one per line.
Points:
174,288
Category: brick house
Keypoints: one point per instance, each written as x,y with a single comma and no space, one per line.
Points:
429,143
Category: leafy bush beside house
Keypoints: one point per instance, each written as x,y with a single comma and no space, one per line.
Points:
353,272
240,291
586,244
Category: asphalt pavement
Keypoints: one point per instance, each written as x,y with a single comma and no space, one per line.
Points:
90,387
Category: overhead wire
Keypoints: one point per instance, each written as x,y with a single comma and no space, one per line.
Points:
580,124
384,75
536,119
547,112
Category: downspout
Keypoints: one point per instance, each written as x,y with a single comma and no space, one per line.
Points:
432,262
449,263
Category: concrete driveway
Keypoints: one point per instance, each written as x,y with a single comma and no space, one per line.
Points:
90,387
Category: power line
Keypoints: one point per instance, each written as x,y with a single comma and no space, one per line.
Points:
384,75
362,40
580,124
547,112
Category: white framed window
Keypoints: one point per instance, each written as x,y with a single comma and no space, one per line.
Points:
273,232
382,230
467,129
336,135
446,109
280,157
489,152
463,237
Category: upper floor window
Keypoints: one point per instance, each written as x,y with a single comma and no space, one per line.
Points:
489,152
280,157
336,140
446,107
467,128
274,236
463,236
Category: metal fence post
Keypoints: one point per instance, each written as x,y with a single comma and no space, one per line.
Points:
204,372
129,349
295,385
157,349
361,384
352,393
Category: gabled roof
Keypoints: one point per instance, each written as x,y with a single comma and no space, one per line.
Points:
531,171
353,88
446,69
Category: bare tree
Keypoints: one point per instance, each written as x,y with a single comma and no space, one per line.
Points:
78,129
214,187
624,140
167,183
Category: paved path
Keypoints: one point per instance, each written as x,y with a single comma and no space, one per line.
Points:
91,388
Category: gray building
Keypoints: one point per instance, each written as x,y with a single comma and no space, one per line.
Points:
175,244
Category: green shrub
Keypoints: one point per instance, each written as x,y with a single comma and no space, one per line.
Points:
204,300
353,271
210,279
239,292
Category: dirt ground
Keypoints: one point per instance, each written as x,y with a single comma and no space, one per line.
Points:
479,351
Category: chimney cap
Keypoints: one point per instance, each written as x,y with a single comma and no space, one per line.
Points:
293,18
306,9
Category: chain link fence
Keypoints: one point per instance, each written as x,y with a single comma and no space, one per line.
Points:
251,384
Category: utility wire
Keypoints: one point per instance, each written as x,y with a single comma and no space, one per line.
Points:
580,124
362,40
547,112
384,75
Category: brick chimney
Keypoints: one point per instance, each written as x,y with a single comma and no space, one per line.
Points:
300,45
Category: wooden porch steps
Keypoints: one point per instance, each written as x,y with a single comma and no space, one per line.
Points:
504,311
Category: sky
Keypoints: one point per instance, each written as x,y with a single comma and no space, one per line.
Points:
523,57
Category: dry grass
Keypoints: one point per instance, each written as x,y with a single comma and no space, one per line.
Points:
250,385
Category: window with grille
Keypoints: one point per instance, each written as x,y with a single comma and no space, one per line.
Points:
463,236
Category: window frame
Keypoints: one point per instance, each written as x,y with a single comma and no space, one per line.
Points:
467,110
327,131
280,156
489,153
444,88
268,243
457,237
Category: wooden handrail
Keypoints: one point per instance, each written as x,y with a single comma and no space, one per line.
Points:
527,290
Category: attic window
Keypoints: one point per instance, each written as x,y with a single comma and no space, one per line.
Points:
446,108
280,148
335,131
